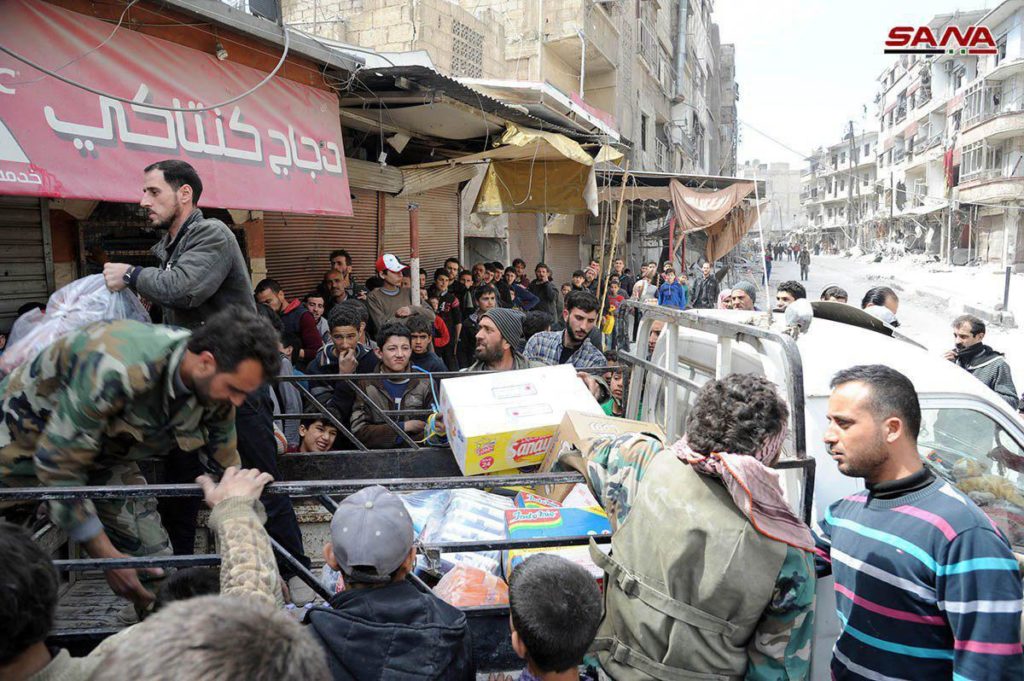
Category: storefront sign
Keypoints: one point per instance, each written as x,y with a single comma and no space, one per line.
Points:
277,149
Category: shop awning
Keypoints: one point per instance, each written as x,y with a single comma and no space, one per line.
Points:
532,171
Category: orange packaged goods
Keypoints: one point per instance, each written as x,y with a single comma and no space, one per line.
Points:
507,419
465,586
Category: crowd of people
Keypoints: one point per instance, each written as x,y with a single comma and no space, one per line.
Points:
724,590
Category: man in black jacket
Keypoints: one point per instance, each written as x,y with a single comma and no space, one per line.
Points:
545,289
383,625
201,270
705,289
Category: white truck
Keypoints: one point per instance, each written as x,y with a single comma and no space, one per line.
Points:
969,435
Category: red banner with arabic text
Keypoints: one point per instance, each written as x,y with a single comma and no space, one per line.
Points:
277,149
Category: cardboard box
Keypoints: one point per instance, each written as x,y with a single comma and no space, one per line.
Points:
508,419
577,430
534,523
530,500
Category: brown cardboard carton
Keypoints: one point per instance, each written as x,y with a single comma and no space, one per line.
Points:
576,430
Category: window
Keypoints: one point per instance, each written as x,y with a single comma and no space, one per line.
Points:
1000,49
643,132
977,455
867,149
959,72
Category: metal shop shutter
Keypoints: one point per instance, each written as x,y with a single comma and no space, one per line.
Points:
439,226
563,256
26,265
298,246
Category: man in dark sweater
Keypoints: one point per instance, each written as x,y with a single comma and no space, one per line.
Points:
295,318
972,355
926,585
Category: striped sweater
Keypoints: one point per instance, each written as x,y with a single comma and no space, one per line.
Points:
926,588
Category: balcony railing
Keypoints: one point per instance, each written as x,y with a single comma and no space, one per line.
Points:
649,51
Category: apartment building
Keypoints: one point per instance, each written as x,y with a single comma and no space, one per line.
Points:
839,190
624,68
952,130
783,184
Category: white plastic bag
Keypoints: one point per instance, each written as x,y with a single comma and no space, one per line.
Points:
78,304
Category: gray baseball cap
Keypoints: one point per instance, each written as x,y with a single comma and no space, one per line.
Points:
371,532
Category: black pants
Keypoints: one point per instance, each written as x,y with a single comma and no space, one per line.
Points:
258,449
178,515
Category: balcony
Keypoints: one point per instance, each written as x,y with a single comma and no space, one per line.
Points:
991,186
599,36
995,126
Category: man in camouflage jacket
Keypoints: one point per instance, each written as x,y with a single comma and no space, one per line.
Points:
96,402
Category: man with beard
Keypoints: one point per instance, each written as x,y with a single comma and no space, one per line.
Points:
99,400
499,338
985,364
924,580
571,345
201,270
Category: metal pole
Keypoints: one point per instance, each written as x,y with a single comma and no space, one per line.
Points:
1006,290
414,254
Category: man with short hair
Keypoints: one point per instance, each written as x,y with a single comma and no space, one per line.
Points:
519,266
744,296
834,293
344,354
486,299
295,318
787,293
546,291
479,270
626,281
926,585
579,280
201,269
972,355
394,350
705,291
571,345
316,303
804,258
383,625
385,302
453,267
99,400
334,289
341,262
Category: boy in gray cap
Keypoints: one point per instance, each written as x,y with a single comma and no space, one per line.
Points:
383,625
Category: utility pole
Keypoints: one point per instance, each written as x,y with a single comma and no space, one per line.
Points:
849,186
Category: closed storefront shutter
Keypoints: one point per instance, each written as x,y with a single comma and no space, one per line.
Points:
439,226
298,246
522,240
563,257
26,273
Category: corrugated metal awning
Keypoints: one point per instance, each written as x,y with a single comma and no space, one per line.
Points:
367,175
416,180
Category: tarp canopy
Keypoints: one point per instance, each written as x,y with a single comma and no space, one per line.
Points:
720,213
532,171
723,236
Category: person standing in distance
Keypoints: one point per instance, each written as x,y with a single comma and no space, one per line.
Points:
201,270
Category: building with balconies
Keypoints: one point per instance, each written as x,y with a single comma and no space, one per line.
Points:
785,212
839,190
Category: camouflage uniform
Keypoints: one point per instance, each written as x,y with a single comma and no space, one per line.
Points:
92,405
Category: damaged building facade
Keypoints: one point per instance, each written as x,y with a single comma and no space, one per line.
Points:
609,71
950,153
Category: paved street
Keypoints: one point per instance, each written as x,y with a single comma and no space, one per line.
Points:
929,300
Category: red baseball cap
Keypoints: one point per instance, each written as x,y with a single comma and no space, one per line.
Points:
391,263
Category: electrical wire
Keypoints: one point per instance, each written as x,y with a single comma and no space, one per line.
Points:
80,86
120,20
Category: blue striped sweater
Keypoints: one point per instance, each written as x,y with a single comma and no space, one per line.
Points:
926,588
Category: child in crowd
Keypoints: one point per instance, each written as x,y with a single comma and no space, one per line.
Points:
614,298
382,625
421,334
390,394
316,434
556,609
671,293
613,406
449,309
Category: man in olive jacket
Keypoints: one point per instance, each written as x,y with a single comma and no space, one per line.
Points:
201,270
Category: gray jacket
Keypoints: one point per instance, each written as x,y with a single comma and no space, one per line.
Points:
205,274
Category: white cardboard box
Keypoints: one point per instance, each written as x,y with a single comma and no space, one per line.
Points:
507,419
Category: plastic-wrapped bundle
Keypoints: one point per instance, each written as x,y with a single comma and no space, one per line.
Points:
423,505
78,304
466,587
471,515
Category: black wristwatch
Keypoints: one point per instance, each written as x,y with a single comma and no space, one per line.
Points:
129,276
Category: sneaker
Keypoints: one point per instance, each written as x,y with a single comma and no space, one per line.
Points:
300,592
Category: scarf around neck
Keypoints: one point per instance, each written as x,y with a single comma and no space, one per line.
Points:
754,488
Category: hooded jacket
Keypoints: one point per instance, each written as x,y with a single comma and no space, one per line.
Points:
393,632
